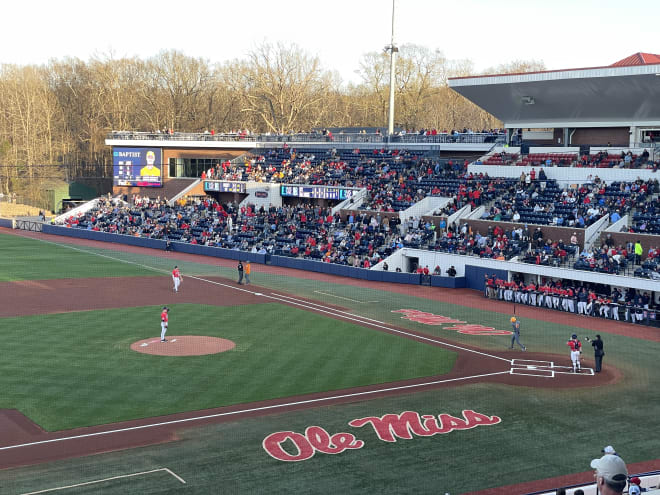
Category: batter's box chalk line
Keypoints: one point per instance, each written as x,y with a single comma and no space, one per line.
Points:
534,362
541,373
544,369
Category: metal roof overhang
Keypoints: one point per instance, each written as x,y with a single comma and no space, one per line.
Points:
601,97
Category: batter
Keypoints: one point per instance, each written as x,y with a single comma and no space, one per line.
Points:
576,350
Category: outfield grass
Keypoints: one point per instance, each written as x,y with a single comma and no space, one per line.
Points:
76,369
27,259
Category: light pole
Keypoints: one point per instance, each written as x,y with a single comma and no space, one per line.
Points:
392,49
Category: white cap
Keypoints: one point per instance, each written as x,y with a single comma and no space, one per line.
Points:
609,450
611,468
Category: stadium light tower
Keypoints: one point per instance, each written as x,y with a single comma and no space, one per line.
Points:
392,49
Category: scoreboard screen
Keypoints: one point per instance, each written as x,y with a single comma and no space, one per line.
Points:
139,167
316,192
221,186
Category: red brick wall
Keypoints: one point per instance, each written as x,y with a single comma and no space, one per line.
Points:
549,232
616,136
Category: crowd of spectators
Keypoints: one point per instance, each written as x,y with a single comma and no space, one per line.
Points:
542,201
496,243
349,168
625,159
395,180
614,258
299,231
602,159
646,218
595,300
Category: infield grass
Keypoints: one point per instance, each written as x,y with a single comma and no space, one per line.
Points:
69,370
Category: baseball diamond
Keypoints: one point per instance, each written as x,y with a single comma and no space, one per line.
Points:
281,356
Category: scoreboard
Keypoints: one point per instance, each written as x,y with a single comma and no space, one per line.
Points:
139,167
221,186
317,192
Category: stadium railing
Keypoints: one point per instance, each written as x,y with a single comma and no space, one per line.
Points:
475,138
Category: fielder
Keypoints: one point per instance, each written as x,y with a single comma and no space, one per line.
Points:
163,323
176,278
576,350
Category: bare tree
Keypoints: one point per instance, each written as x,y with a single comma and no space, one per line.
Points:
175,90
517,67
29,123
279,85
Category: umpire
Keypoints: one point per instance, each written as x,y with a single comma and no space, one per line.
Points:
597,344
240,273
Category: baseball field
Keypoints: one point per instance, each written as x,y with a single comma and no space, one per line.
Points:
298,382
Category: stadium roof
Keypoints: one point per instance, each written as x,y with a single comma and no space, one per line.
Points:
623,94
638,59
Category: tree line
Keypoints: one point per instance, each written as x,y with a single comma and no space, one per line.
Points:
54,118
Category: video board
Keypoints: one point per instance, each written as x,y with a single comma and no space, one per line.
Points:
140,167
316,192
220,186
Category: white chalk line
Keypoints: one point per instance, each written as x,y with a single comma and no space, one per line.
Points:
518,367
307,304
288,300
326,309
344,298
379,324
108,479
254,409
303,303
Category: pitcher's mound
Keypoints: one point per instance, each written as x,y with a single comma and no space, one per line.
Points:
183,345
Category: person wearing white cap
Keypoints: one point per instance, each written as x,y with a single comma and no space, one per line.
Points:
611,474
609,450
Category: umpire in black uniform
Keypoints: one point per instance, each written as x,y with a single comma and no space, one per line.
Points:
240,273
597,344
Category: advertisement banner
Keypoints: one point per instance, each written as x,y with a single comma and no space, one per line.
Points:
141,167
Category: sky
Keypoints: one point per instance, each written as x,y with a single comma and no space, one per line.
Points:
561,33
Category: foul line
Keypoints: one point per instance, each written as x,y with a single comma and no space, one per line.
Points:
298,302
108,479
377,324
345,298
148,267
253,409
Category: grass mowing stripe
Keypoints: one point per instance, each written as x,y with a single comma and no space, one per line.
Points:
79,377
29,259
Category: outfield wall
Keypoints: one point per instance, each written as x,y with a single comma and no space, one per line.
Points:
283,261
